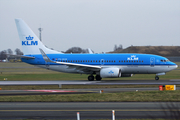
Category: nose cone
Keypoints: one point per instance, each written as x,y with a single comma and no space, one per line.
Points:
174,66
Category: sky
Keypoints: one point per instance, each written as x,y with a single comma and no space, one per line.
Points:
95,24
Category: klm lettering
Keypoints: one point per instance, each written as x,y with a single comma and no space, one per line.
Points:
29,42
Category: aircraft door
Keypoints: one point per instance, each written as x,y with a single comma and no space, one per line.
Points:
102,62
152,61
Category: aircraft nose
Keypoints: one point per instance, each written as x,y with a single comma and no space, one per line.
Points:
176,66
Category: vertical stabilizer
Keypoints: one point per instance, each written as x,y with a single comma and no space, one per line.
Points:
29,41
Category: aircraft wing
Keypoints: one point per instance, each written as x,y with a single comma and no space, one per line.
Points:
21,56
81,67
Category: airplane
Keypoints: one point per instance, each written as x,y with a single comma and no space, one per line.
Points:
100,65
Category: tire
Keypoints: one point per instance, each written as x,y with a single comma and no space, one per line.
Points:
156,78
91,78
98,77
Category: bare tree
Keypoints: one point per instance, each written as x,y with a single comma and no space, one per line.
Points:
18,51
3,55
76,50
9,51
115,47
120,47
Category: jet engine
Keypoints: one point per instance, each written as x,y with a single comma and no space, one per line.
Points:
110,72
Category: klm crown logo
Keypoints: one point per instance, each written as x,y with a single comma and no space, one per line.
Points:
111,72
29,38
29,41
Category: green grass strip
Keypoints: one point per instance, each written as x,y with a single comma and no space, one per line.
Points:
141,96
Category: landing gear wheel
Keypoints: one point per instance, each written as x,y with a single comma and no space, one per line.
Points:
91,78
98,77
156,78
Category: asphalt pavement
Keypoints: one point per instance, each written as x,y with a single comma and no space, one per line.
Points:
86,82
88,110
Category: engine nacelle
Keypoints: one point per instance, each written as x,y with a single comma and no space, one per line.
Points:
126,75
110,72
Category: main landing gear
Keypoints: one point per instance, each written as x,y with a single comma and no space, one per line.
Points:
156,78
91,78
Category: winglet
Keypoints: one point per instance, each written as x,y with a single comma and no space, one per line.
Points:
45,57
90,51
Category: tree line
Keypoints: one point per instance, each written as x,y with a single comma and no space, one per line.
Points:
4,54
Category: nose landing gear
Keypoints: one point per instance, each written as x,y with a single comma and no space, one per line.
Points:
156,78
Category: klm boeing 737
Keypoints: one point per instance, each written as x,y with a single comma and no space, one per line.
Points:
100,65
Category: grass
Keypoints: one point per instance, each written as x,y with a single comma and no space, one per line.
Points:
22,71
142,96
41,87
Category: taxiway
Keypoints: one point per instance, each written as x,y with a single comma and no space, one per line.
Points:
88,110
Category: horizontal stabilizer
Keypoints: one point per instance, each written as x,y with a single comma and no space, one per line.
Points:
20,56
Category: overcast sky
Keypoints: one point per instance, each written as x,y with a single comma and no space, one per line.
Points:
95,24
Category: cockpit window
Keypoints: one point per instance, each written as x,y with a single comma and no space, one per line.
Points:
165,60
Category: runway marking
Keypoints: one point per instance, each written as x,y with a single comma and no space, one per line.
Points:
50,91
93,110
